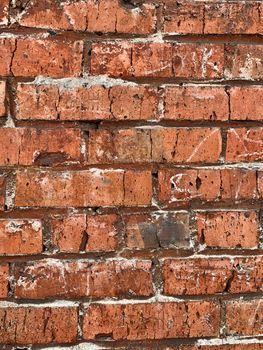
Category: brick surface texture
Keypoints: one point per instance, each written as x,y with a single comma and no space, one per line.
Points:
131,174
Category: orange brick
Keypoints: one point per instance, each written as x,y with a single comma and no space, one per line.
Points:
246,103
47,102
90,16
228,229
195,103
212,275
80,233
179,320
244,317
40,57
84,188
4,275
243,62
20,237
70,279
186,185
25,325
27,146
244,145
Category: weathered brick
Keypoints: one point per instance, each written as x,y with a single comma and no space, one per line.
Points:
4,6
52,102
2,191
40,57
83,188
246,103
27,146
244,62
244,317
183,18
198,61
157,230
212,275
2,98
102,231
30,324
55,278
7,48
233,18
228,229
20,237
182,186
90,16
4,275
195,103
244,145
80,233
142,321
186,145
155,145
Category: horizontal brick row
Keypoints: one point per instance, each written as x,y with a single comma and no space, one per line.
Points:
156,230
96,187
129,59
180,18
130,279
181,60
127,321
134,102
47,147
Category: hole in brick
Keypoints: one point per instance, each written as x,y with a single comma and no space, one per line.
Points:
198,183
202,236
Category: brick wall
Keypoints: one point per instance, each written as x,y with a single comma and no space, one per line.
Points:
131,177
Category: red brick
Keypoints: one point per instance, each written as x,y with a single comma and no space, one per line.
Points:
184,185
244,145
20,237
233,18
7,48
2,191
84,188
157,60
40,57
244,62
244,317
142,321
137,188
47,102
102,232
183,18
4,274
195,103
27,146
134,103
260,183
212,275
2,98
90,16
157,145
55,278
80,233
199,61
36,101
4,6
157,230
186,145
246,103
30,324
228,229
